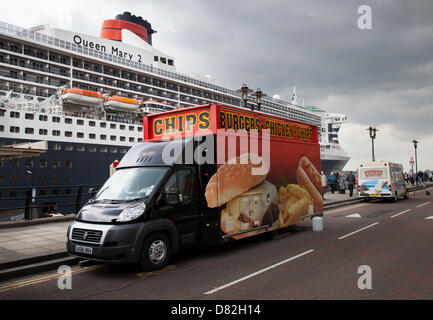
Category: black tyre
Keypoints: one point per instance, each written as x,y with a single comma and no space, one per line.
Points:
156,252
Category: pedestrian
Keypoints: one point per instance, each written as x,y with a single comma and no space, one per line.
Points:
350,182
342,183
333,182
324,185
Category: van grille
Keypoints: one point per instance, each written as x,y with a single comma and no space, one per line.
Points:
86,235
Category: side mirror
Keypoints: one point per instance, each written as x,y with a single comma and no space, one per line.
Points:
91,193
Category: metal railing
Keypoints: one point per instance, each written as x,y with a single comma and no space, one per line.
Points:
32,201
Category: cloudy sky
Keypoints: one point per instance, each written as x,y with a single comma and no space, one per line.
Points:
381,77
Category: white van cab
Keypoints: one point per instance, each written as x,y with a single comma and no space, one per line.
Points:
382,179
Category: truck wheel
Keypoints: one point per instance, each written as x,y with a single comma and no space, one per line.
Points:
156,252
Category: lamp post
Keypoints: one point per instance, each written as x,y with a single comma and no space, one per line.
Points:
259,94
415,144
244,90
372,132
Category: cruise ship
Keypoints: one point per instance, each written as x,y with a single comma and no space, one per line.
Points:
85,96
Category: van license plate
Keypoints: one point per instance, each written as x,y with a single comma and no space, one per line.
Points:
82,249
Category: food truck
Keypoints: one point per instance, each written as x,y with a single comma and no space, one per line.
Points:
380,179
203,175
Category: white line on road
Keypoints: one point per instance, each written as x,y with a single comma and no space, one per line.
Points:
431,218
400,213
355,215
347,235
258,272
422,204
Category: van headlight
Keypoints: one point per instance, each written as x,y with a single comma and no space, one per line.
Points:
131,213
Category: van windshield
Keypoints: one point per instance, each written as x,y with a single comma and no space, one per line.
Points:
130,184
374,173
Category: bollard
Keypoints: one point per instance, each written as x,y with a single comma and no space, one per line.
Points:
27,209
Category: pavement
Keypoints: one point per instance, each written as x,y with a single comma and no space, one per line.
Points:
28,244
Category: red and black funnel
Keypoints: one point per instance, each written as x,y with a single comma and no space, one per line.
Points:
112,29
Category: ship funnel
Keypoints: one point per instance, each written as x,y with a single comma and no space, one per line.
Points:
112,28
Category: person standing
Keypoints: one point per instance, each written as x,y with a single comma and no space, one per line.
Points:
350,183
342,183
324,184
333,182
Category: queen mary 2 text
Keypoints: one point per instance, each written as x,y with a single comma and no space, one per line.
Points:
114,50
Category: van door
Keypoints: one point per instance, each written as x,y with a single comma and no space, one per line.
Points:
184,212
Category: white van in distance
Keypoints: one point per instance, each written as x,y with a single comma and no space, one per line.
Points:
381,179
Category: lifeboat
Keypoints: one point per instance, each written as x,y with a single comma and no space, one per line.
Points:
121,104
81,96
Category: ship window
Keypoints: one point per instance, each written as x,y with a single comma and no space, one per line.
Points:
56,192
56,176
69,176
14,163
28,163
92,123
122,150
92,149
14,178
139,139
43,132
15,114
43,117
103,137
43,192
155,58
56,163
69,147
103,149
131,128
80,134
14,129
43,163
103,125
68,120
139,129
56,119
68,133
131,139
56,133
92,136
29,130
113,126
80,147
68,191
68,164
80,122
113,150
113,138
170,62
122,138
163,60
57,146
30,116
122,127
13,194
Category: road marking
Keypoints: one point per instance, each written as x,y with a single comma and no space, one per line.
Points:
355,215
29,282
400,213
422,204
258,272
347,235
431,218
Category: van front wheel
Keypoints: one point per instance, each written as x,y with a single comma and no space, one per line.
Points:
156,252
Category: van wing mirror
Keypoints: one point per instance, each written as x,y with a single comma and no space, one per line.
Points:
91,193
168,197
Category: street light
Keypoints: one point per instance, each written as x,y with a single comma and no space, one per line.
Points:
415,144
372,131
259,94
244,90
